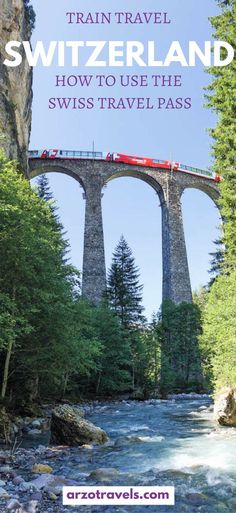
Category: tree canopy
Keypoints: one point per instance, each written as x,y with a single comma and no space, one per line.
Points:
123,289
219,333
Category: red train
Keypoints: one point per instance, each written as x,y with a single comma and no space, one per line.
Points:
124,159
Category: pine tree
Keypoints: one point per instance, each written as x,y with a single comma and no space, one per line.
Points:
219,314
36,286
217,260
43,188
153,344
180,352
148,357
222,100
123,289
44,192
219,331
114,362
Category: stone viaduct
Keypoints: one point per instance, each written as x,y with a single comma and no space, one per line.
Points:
169,186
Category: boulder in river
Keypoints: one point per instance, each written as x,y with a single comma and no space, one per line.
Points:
225,407
104,474
68,427
38,468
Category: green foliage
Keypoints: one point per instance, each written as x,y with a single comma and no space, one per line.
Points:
45,331
153,350
181,364
74,351
124,295
200,299
12,323
147,357
217,260
222,100
53,343
219,334
114,373
123,290
218,339
44,191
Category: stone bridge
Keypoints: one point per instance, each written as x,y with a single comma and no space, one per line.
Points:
93,176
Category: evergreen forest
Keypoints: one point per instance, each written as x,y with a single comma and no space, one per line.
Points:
56,345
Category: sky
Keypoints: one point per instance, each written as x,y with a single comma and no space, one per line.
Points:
130,206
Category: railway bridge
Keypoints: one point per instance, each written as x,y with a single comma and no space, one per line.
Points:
169,185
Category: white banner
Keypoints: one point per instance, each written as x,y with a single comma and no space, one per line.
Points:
118,495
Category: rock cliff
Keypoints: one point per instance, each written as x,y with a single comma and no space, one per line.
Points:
15,84
225,407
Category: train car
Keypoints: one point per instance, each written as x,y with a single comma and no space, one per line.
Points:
71,154
130,159
124,159
37,154
164,164
145,161
200,172
68,154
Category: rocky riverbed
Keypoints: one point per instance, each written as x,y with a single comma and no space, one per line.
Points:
174,442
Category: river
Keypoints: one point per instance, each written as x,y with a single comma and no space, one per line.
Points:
174,442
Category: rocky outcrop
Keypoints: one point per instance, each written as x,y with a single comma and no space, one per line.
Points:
68,427
15,84
225,407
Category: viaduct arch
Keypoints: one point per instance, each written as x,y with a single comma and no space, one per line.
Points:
169,186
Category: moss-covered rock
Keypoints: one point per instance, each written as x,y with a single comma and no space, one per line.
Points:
39,468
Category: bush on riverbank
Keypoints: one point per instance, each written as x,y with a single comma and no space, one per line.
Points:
219,326
219,332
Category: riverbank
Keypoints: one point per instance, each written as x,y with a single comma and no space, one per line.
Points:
174,442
